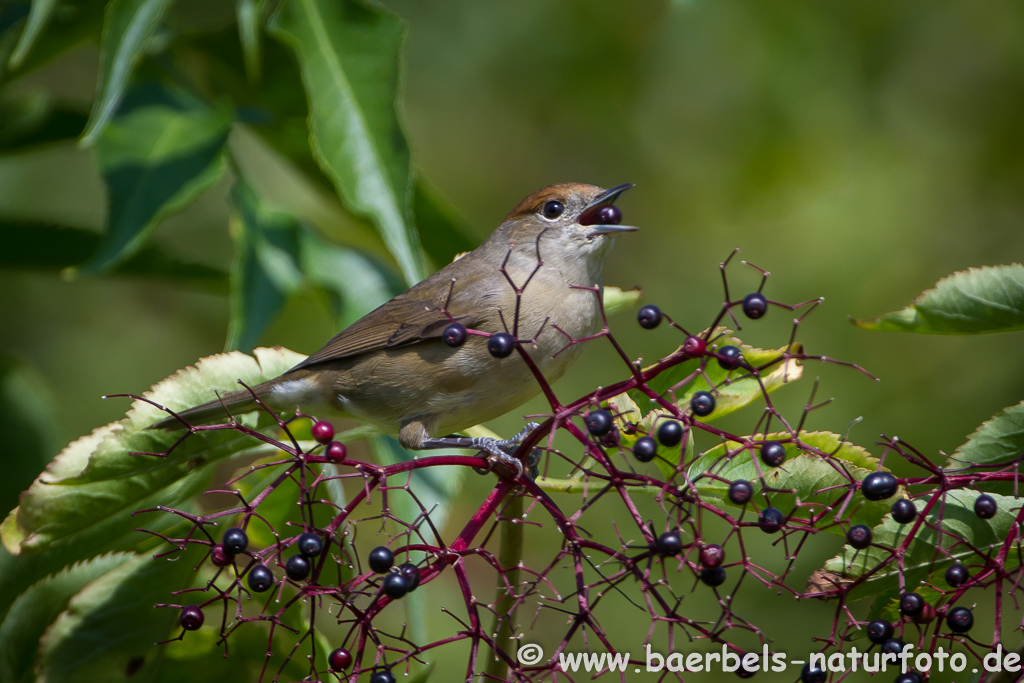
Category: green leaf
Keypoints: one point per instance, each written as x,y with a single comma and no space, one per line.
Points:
111,627
441,228
29,426
127,27
617,299
962,528
349,54
38,16
997,441
68,26
95,483
35,609
31,119
265,271
155,158
250,28
974,301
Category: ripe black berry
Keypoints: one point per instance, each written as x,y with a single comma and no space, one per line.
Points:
645,449
669,543
649,317
454,335
909,677
859,536
297,567
755,305
384,676
336,451
879,486
893,646
670,433
235,541
712,577
730,357
740,492
191,618
220,557
702,404
694,346
985,506
744,671
339,660
501,345
960,620
395,585
260,578
323,432
911,604
771,520
310,545
957,575
904,511
712,556
381,559
773,453
880,631
813,674
599,422
609,214
411,574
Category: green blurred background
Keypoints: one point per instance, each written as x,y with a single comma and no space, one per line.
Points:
858,150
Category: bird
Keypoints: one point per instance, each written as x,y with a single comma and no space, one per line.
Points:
536,278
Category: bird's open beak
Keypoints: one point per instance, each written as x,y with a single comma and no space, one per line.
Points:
607,197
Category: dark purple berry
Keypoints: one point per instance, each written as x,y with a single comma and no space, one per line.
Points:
395,585
385,676
609,214
740,492
912,605
297,567
985,506
880,631
904,511
339,660
411,574
260,578
712,556
599,422
645,449
670,433
702,404
893,646
310,545
960,620
649,317
191,618
220,557
879,486
323,432
957,575
501,345
730,357
694,346
859,536
235,541
744,671
454,335
909,677
712,577
812,674
771,520
381,559
755,305
773,453
336,451
669,543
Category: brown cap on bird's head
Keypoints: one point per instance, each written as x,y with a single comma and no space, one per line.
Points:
574,196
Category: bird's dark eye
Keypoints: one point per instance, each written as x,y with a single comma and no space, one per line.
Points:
553,208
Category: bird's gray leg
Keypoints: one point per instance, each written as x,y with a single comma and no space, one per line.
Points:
497,449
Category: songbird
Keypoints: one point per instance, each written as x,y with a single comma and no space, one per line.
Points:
394,369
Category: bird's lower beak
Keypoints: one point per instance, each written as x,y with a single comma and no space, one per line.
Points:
610,229
609,196
592,211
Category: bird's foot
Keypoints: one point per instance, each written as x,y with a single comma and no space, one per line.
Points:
499,451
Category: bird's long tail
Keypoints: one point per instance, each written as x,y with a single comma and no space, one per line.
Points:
233,403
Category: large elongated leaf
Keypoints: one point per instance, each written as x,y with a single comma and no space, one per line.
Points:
972,301
38,16
127,27
156,158
997,441
349,56
96,482
31,119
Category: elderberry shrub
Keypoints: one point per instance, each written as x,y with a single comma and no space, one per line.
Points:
599,422
879,486
381,559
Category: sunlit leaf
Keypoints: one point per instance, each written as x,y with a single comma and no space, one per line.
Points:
38,16
617,299
997,441
250,30
349,56
973,301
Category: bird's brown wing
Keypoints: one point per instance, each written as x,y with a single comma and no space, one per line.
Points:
399,322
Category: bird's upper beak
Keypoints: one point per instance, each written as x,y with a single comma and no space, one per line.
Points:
603,199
